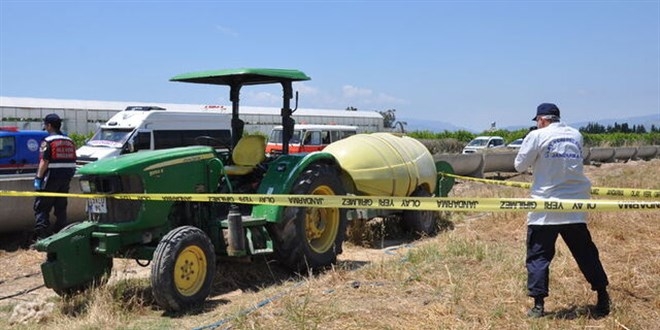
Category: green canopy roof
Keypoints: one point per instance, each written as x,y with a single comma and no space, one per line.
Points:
243,76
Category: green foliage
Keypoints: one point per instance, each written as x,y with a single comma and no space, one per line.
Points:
460,135
611,139
510,136
653,137
423,135
497,132
620,139
465,136
592,140
80,139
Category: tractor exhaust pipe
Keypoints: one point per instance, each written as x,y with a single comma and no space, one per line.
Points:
236,244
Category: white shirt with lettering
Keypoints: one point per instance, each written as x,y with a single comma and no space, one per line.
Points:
555,155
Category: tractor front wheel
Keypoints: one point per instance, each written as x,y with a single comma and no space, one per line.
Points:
311,237
183,269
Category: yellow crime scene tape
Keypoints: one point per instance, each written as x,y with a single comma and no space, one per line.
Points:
381,202
596,191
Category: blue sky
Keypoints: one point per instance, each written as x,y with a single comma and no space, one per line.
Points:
468,63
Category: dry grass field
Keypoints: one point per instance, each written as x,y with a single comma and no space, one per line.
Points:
471,276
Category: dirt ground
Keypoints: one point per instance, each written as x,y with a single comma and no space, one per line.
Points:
21,280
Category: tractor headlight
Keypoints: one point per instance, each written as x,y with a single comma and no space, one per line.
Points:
85,186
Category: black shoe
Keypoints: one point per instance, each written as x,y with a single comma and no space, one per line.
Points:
536,312
603,305
41,233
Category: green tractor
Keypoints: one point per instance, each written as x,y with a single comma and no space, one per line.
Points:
183,238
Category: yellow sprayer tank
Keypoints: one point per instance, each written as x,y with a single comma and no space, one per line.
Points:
384,164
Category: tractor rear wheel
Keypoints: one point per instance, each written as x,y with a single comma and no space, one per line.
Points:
183,269
309,238
422,223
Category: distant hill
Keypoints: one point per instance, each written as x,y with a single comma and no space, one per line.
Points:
431,125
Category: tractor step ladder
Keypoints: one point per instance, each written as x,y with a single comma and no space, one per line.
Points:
255,232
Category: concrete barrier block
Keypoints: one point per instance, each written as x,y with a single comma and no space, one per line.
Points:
624,153
464,164
599,154
499,161
647,152
18,213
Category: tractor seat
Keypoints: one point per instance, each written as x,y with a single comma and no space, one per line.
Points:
247,154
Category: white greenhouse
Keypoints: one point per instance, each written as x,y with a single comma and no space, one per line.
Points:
84,116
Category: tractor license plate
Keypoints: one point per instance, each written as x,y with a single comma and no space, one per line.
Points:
97,205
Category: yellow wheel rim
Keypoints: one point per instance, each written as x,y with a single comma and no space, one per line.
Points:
190,270
321,224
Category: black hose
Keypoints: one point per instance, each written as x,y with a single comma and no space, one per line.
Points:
22,292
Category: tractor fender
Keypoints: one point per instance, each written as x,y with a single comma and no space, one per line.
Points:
280,179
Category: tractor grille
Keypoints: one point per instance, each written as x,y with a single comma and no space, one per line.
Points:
118,210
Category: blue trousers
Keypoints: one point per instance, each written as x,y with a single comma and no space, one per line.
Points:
541,249
43,205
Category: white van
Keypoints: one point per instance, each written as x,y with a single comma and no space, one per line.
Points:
481,143
149,128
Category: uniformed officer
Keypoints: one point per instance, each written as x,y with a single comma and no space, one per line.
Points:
555,152
57,164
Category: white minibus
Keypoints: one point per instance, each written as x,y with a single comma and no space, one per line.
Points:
149,128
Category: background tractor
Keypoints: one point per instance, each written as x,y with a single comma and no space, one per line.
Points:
182,238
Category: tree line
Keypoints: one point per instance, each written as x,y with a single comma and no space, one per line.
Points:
596,128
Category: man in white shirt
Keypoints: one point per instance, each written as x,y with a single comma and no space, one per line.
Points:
554,151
